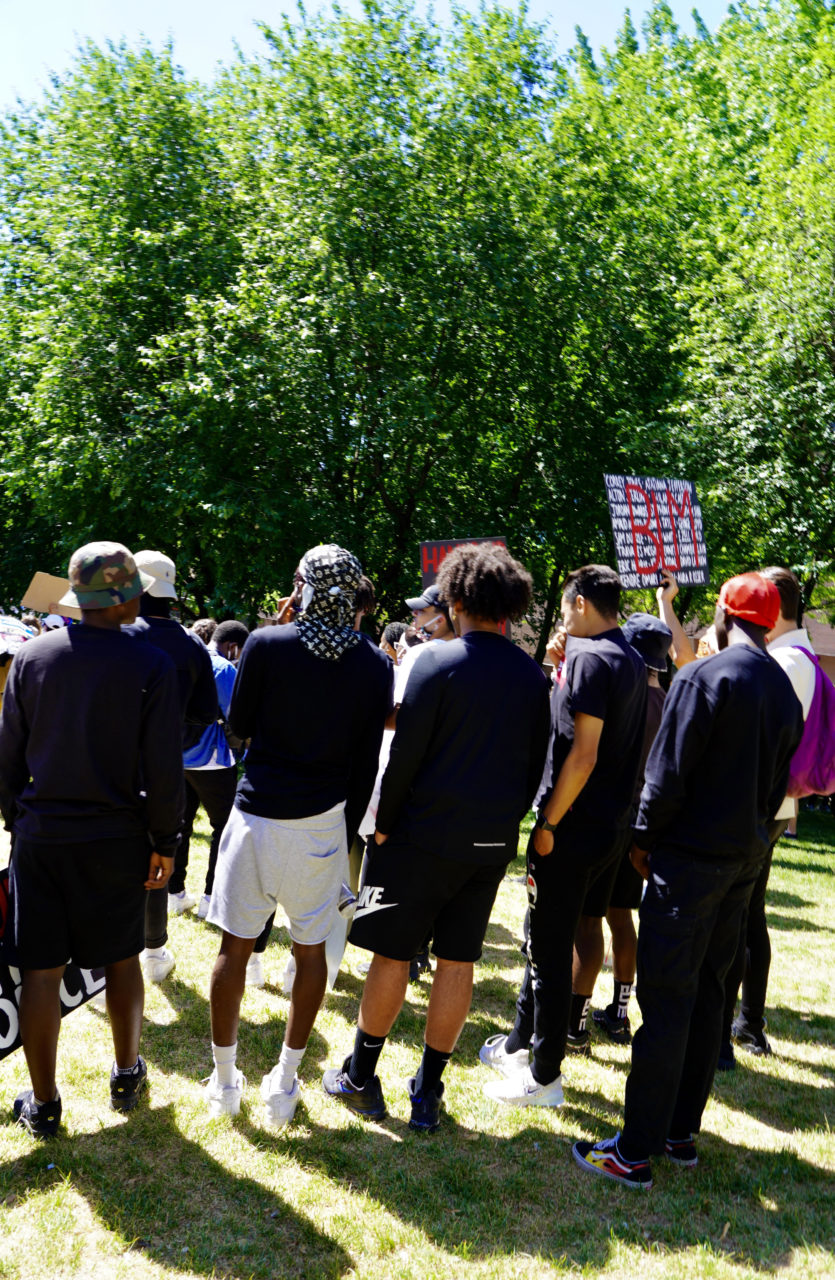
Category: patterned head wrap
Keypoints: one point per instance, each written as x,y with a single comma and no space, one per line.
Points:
326,624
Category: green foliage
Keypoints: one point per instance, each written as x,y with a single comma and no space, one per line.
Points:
389,283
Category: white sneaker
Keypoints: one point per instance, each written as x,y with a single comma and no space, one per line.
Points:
279,1104
493,1054
289,977
157,967
225,1099
180,902
521,1090
203,906
255,970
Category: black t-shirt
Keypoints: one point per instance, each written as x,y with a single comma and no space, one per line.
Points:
195,677
604,677
468,750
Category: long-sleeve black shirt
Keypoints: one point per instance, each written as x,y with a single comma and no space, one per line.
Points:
90,720
315,726
469,749
195,677
718,768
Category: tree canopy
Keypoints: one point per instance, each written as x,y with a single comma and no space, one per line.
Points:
392,282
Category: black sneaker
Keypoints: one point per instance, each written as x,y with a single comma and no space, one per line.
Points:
367,1102
41,1121
682,1151
426,1108
126,1087
726,1060
579,1042
617,1029
754,1042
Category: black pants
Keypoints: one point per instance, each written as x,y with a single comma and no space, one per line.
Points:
690,921
557,888
215,790
753,955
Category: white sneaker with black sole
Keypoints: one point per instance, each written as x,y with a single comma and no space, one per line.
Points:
225,1099
279,1104
494,1054
521,1090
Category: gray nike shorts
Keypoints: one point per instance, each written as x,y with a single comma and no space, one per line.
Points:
297,864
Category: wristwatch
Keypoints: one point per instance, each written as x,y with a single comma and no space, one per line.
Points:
544,825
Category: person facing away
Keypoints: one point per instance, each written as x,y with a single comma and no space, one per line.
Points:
467,755
716,774
312,697
89,788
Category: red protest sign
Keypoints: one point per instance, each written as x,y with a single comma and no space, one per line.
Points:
657,524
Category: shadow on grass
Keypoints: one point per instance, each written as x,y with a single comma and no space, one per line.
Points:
163,1195
480,1195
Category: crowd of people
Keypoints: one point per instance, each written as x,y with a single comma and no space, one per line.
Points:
381,788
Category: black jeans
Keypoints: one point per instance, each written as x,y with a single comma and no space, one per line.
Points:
215,790
557,888
690,920
753,955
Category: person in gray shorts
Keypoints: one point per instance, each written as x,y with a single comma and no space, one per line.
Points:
313,698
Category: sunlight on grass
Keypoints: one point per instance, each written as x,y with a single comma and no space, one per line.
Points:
168,1193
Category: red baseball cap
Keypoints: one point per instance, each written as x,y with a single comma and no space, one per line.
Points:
752,597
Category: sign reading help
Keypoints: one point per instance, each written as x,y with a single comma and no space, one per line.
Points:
657,524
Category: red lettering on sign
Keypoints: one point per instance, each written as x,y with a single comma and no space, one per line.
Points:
645,529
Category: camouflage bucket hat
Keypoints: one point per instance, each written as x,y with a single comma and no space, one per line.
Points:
102,574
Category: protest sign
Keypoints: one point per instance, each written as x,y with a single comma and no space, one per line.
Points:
77,986
657,524
43,594
432,555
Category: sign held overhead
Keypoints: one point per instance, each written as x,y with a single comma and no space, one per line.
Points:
657,524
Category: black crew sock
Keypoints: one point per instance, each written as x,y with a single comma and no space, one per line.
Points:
579,1013
367,1050
514,1042
430,1070
620,999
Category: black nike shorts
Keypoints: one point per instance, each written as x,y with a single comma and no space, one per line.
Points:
81,902
408,893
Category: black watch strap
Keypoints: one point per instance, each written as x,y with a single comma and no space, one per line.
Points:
545,825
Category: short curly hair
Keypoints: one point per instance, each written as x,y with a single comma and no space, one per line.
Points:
486,581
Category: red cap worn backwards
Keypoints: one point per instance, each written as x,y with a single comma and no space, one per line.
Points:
751,597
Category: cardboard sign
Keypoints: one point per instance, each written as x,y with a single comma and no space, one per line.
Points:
432,554
43,594
657,524
77,986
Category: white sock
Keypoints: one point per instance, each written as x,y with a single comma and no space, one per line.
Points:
224,1056
155,953
288,1064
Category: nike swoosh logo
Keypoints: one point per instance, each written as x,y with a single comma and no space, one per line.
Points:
372,907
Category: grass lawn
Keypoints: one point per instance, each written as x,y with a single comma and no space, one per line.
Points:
167,1192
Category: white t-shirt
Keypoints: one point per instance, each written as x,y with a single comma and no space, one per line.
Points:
801,672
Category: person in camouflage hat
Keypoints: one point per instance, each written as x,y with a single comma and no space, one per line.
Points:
88,712
103,574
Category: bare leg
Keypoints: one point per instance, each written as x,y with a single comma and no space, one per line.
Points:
588,955
383,995
226,988
40,1022
624,943
307,995
449,1004
125,1004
